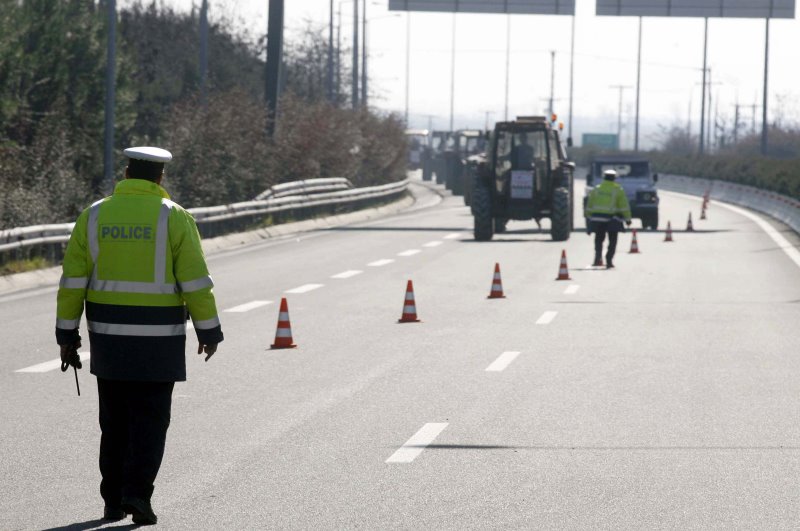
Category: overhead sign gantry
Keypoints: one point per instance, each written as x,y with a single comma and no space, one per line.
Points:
518,7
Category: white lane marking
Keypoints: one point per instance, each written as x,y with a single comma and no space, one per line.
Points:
502,362
348,274
52,365
417,443
432,244
379,263
248,306
571,290
305,288
547,317
453,236
776,236
410,252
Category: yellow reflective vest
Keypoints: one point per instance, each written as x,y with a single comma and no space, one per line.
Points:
135,261
607,200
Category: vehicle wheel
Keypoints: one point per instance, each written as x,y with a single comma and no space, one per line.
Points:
458,184
468,196
559,218
500,225
482,213
651,221
426,171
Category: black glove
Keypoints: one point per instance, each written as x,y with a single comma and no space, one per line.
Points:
70,357
628,222
209,349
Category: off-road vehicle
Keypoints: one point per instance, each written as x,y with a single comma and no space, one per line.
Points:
526,175
433,160
635,177
417,140
465,143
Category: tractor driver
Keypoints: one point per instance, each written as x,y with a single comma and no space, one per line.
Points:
522,153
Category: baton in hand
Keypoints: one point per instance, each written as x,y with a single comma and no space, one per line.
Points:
74,360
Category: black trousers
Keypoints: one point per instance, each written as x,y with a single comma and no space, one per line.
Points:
134,417
600,230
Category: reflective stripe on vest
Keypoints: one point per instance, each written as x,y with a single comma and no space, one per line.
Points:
207,324
73,282
159,286
68,324
196,284
136,330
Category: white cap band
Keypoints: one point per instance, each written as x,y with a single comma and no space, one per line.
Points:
153,154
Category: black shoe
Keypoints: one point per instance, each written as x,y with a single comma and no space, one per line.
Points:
609,264
140,509
114,513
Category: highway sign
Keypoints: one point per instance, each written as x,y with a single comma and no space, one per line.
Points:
601,140
522,7
698,8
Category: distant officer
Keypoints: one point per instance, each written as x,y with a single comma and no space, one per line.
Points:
135,259
606,208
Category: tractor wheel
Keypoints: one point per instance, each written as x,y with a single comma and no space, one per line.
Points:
482,212
426,171
559,218
650,221
500,225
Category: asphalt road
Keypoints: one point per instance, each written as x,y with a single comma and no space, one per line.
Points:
662,394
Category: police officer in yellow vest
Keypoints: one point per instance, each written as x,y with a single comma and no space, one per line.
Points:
134,259
606,209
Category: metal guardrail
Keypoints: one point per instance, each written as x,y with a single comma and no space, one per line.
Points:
780,207
283,202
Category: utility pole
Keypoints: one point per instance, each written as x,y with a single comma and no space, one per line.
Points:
703,104
621,88
638,87
330,55
736,124
453,73
508,60
552,82
339,57
364,53
408,60
571,81
274,60
486,121
111,77
354,96
708,122
764,124
204,53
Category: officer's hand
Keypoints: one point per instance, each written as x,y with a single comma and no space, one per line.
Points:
69,355
208,349
628,223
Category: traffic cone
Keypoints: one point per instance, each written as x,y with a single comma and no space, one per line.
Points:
634,244
668,237
689,226
703,212
409,307
497,285
563,272
283,335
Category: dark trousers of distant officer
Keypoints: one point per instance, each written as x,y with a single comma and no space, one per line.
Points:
134,417
600,229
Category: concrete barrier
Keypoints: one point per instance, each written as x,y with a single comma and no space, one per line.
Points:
778,206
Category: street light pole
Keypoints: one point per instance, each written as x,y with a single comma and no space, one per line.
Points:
364,53
571,80
508,59
638,86
552,82
274,60
703,100
453,73
408,60
621,89
354,95
111,53
330,54
204,52
764,124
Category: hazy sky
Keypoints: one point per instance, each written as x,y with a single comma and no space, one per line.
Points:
605,55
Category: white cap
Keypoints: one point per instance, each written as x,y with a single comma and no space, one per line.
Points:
610,173
153,154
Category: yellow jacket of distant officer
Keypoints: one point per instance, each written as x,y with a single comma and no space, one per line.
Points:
606,201
135,260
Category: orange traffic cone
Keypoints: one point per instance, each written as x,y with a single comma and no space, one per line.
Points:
409,306
689,226
634,244
668,237
703,212
497,285
283,335
563,272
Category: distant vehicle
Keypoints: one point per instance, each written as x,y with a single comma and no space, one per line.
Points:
466,143
635,177
525,175
417,143
433,162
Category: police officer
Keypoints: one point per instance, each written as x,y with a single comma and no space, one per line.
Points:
135,260
606,208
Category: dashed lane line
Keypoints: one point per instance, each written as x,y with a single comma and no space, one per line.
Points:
453,236
347,274
417,443
435,243
252,305
571,290
503,361
305,288
379,263
410,252
547,317
52,365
